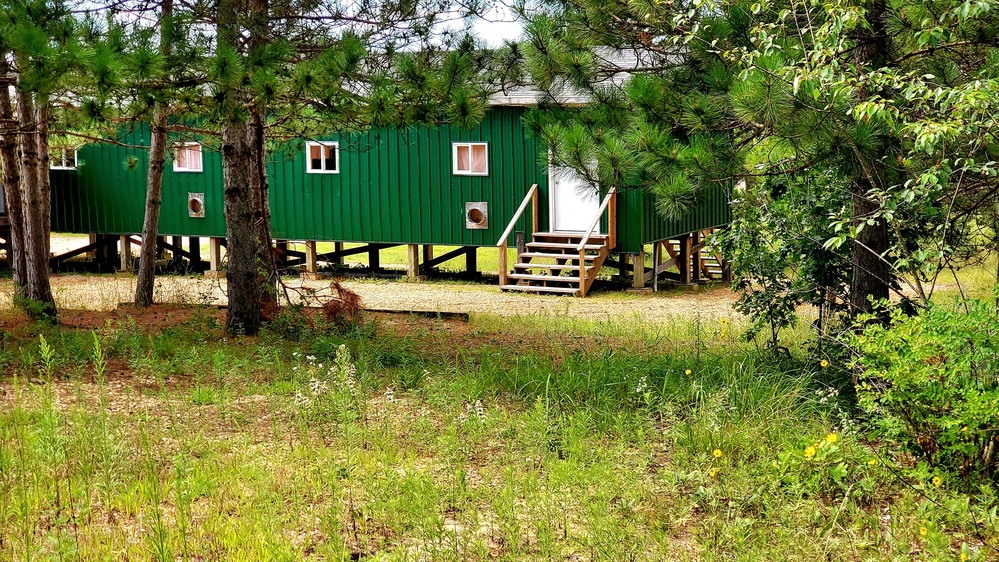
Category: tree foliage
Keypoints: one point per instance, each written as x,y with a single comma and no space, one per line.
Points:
864,130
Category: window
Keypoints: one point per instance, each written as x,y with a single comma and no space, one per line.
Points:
322,157
62,159
471,159
187,158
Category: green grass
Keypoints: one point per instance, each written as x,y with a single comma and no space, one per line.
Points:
525,439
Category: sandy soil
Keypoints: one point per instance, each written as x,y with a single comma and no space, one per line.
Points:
107,292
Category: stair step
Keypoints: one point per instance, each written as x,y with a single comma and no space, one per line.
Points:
546,278
539,289
532,265
564,235
561,246
554,256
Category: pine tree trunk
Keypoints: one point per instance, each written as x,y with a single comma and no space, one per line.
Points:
12,197
241,277
150,222
39,302
154,177
870,276
261,207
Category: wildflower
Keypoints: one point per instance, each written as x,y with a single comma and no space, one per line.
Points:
687,372
389,395
964,557
832,438
480,411
713,472
717,453
937,481
872,462
642,385
723,321
923,531
823,363
302,401
964,429
809,452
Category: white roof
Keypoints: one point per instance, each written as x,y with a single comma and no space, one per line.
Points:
616,65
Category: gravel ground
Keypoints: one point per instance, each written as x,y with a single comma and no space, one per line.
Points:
105,292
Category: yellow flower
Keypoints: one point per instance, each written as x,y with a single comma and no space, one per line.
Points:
809,452
937,481
872,462
687,372
713,472
832,438
717,453
964,557
722,321
963,429
922,531
823,363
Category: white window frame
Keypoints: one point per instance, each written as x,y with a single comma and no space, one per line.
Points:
468,172
335,145
201,160
62,163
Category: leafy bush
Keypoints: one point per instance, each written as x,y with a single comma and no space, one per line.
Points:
931,385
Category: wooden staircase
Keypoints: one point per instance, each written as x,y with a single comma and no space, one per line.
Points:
558,262
706,265
551,263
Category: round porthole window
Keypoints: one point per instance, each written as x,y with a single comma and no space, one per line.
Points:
477,215
196,205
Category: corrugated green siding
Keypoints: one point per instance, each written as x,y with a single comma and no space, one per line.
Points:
397,185
639,223
105,195
394,185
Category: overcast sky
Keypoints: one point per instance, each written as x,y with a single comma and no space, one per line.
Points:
497,25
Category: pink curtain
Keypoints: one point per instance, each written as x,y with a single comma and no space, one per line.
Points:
478,159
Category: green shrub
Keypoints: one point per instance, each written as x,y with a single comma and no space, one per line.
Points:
931,385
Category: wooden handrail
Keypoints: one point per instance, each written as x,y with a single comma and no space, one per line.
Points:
532,198
611,223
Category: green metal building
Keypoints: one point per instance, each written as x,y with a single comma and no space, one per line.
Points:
417,186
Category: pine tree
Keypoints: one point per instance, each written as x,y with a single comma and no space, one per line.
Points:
40,51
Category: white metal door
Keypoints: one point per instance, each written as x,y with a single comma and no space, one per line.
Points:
574,202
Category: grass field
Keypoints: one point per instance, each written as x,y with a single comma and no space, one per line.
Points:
418,439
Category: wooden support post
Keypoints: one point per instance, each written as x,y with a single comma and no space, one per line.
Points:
179,242
160,252
683,262
471,267
726,274
373,262
695,258
215,254
93,240
657,258
412,261
428,255
194,246
125,252
638,269
310,256
101,251
502,264
338,247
